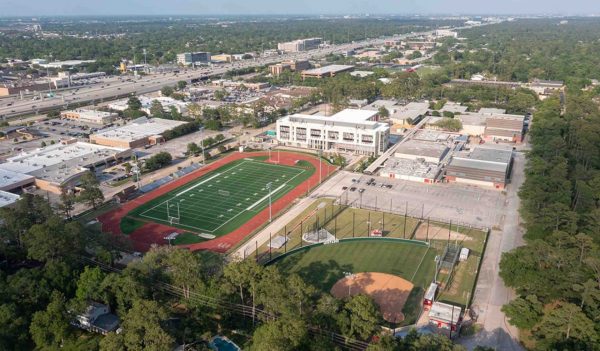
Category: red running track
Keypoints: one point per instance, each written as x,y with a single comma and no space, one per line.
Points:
153,233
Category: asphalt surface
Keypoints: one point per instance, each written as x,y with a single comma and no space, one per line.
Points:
115,87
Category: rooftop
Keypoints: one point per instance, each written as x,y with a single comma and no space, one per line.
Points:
445,312
422,148
7,199
412,168
491,111
347,118
454,107
7,178
138,129
328,69
411,110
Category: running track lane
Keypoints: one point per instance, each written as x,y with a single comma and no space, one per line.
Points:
153,233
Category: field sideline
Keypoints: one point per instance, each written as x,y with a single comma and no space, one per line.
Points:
149,233
222,200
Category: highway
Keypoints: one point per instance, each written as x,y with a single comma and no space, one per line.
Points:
117,87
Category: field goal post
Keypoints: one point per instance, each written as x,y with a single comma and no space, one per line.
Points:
223,192
173,217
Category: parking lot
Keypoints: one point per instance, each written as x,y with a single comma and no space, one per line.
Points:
454,202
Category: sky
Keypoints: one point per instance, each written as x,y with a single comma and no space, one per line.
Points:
311,7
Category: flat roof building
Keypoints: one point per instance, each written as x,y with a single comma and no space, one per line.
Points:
444,316
7,199
409,113
90,116
350,130
327,71
505,128
482,166
300,45
192,58
10,180
141,132
61,165
455,107
431,152
415,170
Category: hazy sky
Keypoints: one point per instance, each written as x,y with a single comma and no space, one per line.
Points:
210,7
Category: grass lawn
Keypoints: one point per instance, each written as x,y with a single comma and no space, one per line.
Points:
224,199
187,238
324,265
129,225
341,224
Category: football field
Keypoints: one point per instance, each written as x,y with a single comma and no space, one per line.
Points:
224,199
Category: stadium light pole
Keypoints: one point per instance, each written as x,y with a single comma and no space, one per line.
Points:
269,185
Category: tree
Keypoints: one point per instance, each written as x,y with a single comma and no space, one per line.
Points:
220,95
158,161
449,124
193,149
50,328
167,90
90,193
524,313
43,144
142,328
128,167
565,321
181,85
157,110
54,239
13,334
383,112
213,125
363,317
134,104
279,335
67,201
89,284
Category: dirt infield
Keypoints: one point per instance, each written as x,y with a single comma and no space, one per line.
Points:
152,233
388,291
438,233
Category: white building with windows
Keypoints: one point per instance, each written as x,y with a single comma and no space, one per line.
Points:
357,131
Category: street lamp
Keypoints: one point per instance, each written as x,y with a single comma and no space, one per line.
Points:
269,186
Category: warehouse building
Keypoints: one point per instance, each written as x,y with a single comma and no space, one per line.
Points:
505,128
488,167
428,151
60,165
349,130
473,123
90,116
327,71
141,132
8,199
13,181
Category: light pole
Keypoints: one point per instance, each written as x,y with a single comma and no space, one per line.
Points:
201,130
269,185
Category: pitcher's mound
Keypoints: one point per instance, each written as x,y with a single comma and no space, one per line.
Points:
388,291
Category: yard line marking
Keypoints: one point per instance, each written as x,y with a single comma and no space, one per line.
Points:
264,198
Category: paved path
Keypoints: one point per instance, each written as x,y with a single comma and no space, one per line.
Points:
491,293
279,223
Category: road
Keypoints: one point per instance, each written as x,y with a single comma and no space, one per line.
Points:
116,87
491,293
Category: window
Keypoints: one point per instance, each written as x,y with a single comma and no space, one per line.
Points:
348,137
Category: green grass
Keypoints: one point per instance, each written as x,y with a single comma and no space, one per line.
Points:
129,225
341,224
322,266
187,238
224,199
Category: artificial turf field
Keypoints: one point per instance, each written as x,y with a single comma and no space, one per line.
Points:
323,265
224,199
